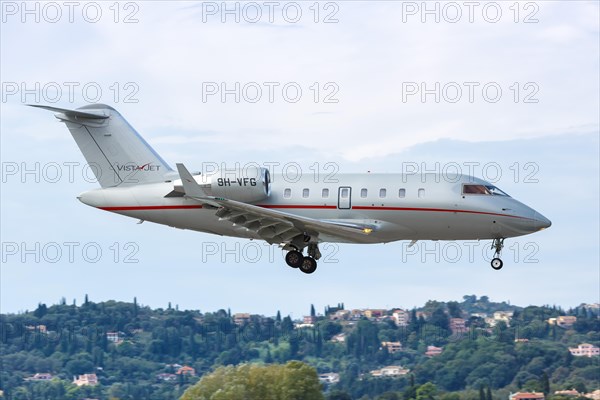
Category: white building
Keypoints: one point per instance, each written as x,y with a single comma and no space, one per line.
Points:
392,347
585,350
339,338
86,380
564,321
401,317
115,337
392,370
40,376
504,316
433,351
329,378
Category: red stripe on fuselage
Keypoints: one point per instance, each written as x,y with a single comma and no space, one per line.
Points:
142,208
313,207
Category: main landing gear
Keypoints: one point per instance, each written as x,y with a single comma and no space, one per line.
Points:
497,245
306,264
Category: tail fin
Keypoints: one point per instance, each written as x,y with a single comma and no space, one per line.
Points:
117,154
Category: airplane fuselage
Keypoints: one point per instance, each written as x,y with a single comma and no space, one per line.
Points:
402,207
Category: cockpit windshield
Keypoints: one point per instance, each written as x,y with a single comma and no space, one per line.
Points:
482,189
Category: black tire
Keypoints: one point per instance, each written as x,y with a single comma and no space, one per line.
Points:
497,264
294,258
309,265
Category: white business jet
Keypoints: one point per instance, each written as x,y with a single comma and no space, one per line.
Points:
356,208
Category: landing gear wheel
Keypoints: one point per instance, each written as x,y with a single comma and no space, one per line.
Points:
294,258
497,246
497,263
309,265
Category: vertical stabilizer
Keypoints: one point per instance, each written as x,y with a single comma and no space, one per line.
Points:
116,153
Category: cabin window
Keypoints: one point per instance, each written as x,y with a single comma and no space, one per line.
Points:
325,193
402,193
363,193
421,193
305,192
345,193
382,193
482,189
287,193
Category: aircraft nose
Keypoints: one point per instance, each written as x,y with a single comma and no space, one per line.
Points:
540,222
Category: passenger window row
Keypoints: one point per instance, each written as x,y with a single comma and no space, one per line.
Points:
287,193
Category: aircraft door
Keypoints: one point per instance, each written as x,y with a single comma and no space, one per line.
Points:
344,197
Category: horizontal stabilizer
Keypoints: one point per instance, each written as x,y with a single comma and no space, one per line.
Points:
73,113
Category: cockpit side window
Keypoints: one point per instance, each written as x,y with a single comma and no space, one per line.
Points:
482,189
475,189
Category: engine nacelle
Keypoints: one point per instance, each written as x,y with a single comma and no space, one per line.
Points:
249,184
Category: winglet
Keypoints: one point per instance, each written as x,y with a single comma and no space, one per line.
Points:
191,187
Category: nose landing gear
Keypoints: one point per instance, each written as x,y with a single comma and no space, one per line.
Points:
497,245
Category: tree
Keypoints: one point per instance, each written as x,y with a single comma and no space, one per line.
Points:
389,396
312,311
545,384
488,393
450,396
292,381
268,357
41,310
426,391
471,299
339,395
439,319
287,325
454,309
411,391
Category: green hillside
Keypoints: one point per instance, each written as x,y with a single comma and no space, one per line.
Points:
137,352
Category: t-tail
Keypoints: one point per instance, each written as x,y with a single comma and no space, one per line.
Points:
116,153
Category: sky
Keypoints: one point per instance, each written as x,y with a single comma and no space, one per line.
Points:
505,91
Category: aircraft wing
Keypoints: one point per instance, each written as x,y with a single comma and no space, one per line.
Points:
271,225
